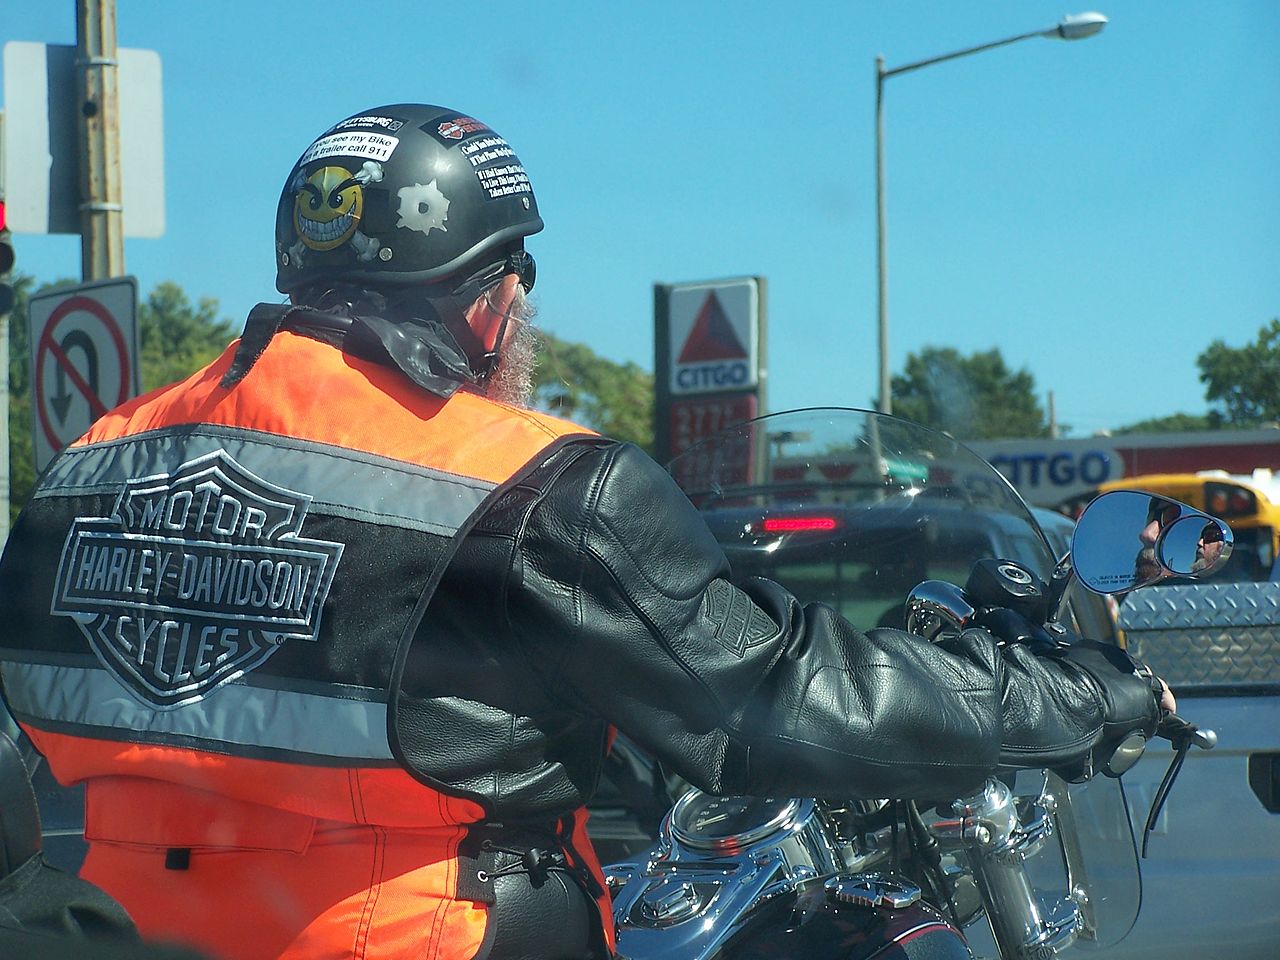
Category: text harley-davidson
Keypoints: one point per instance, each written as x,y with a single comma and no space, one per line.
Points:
841,506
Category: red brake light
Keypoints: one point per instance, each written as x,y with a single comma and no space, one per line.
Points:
794,524
3,217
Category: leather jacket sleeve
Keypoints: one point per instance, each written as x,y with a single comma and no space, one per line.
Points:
623,596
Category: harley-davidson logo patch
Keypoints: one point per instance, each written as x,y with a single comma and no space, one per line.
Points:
196,578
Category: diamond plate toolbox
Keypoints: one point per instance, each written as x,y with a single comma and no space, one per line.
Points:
1207,634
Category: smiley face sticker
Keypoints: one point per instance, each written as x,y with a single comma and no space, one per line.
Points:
329,203
327,208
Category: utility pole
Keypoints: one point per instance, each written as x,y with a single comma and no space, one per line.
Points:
101,213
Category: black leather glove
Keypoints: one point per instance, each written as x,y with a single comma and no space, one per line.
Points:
1130,694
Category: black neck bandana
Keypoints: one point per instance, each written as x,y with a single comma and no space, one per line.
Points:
423,349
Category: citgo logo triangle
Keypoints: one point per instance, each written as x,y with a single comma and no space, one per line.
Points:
712,336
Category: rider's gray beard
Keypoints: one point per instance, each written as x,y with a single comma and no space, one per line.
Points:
512,381
1145,565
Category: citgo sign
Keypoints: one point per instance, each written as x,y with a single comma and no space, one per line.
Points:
708,359
1035,469
714,337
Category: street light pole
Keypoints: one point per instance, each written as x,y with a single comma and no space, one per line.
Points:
885,401
1074,27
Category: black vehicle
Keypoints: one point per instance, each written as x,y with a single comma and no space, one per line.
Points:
881,518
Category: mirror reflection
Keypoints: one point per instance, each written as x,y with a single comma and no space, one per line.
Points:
1127,539
1195,546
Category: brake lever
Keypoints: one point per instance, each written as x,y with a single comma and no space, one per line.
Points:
1184,735
1177,730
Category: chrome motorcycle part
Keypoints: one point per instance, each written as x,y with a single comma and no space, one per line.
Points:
673,900
684,900
705,822
1194,546
999,828
999,840
934,607
1127,539
1128,752
873,890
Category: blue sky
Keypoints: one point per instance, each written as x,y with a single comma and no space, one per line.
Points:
1098,210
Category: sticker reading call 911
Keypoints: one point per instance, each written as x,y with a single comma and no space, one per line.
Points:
195,579
375,146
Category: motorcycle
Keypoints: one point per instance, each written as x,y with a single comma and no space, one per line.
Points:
847,507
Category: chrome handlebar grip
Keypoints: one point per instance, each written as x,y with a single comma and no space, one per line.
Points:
934,606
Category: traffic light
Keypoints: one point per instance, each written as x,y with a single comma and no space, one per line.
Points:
6,263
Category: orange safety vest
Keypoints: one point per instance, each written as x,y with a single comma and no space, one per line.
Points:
218,590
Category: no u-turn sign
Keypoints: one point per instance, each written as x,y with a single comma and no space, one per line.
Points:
84,349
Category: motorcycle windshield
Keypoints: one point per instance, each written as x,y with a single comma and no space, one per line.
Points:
853,508
1096,856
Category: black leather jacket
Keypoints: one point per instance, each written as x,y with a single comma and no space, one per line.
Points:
593,594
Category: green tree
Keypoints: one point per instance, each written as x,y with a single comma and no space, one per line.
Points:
1243,383
574,382
973,398
176,337
22,472
1174,423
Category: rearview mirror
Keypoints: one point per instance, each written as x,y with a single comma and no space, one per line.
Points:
1128,539
1194,546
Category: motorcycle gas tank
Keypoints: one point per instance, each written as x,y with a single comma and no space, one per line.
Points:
814,927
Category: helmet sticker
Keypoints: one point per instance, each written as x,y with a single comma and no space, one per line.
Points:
375,146
495,164
386,123
328,204
423,208
505,180
480,152
458,128
498,181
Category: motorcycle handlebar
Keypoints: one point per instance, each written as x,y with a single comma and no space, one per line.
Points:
1178,731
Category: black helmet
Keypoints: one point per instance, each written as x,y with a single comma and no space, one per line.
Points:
403,194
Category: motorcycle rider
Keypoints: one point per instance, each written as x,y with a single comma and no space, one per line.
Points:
337,640
1160,513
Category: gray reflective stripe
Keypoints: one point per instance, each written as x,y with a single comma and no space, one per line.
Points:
233,714
340,482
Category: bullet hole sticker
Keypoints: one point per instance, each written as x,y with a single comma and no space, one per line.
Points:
194,580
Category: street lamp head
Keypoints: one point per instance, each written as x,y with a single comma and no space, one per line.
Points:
1077,26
